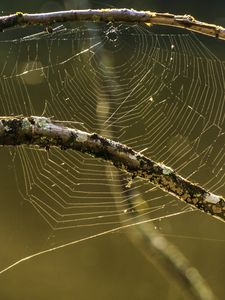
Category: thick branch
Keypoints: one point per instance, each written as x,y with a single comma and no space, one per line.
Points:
43,132
115,15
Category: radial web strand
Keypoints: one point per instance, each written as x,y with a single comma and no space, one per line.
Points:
161,94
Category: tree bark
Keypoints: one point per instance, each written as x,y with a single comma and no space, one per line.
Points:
188,22
43,132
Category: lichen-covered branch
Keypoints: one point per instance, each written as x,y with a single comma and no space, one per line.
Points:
112,15
43,132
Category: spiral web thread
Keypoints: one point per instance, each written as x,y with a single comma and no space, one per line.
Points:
161,94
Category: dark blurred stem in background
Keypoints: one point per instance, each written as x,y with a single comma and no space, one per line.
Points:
44,133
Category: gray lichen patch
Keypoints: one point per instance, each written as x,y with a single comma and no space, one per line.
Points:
131,156
211,198
81,137
41,122
7,128
25,125
1,127
166,170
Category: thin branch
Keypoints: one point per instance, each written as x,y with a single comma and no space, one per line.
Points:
42,132
46,133
115,15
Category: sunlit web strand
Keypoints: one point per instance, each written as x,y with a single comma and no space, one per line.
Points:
161,93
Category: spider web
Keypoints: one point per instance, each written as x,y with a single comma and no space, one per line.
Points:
161,94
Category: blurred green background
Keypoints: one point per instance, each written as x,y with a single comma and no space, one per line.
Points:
109,267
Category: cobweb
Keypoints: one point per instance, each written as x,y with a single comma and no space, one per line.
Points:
161,94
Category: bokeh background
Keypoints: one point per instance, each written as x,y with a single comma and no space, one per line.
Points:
110,267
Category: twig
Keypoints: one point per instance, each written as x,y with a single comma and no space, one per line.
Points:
42,132
115,15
